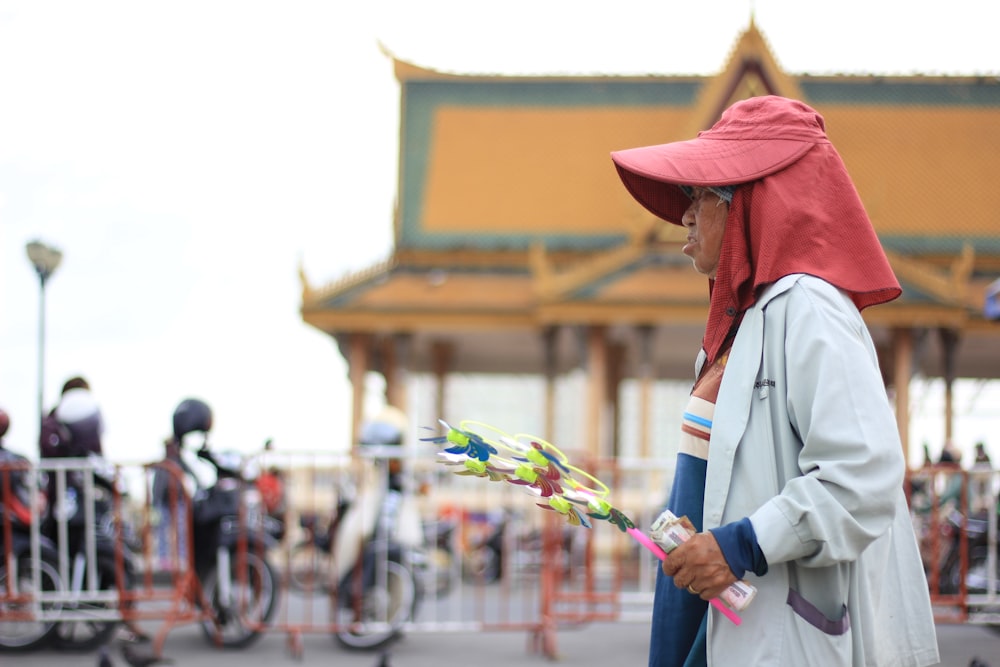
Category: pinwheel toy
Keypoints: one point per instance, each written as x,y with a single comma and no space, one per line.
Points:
479,450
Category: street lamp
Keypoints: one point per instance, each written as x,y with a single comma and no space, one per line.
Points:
45,259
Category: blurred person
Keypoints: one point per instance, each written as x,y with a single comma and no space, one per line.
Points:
400,513
981,478
928,461
273,494
949,475
950,456
170,502
74,427
4,426
12,471
982,458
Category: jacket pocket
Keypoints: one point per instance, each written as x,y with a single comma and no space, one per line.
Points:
812,637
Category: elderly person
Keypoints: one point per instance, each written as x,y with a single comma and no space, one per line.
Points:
790,463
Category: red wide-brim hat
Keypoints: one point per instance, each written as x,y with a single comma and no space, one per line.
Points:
754,138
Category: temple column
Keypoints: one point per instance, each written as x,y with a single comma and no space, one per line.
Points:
359,360
385,363
549,340
441,356
949,346
397,352
597,436
616,362
902,344
645,376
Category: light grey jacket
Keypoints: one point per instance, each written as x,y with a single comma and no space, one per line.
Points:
805,443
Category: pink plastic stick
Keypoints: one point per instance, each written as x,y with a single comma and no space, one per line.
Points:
644,540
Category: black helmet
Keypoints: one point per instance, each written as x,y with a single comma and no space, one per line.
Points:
4,422
191,415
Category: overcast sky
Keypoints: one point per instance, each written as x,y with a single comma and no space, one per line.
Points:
186,157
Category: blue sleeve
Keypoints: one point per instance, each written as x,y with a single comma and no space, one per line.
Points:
738,542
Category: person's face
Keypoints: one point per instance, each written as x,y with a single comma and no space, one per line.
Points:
705,220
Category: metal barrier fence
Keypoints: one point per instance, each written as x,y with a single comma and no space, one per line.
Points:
367,547
490,560
955,518
77,537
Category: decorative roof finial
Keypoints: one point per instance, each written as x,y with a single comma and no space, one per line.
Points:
304,280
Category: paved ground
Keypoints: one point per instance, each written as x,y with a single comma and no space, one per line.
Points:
606,644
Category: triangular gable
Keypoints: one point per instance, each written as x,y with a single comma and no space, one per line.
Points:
751,71
470,143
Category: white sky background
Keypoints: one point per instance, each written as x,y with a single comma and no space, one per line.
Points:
187,156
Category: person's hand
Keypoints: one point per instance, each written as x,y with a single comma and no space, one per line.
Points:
699,566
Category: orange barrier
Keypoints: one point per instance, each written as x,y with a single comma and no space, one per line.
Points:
443,531
955,518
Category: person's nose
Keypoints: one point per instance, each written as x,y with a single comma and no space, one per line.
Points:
688,218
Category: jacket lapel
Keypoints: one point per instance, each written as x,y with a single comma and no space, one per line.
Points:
732,409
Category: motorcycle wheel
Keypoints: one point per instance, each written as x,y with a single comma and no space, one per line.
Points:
84,635
17,635
309,569
977,579
254,594
376,616
950,576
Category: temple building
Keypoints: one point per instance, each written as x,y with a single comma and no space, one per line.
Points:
518,251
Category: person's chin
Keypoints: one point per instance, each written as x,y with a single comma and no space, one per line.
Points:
702,270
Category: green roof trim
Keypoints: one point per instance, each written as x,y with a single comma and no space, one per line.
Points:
519,241
896,92
550,93
931,245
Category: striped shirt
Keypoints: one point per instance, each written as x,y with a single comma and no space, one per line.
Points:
678,628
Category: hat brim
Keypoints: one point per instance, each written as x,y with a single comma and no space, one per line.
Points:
703,161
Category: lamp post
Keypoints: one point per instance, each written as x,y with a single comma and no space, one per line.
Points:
45,259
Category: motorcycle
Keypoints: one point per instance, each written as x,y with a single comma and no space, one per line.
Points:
90,480
977,580
356,558
482,559
230,542
495,548
941,519
23,573
439,536
309,559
